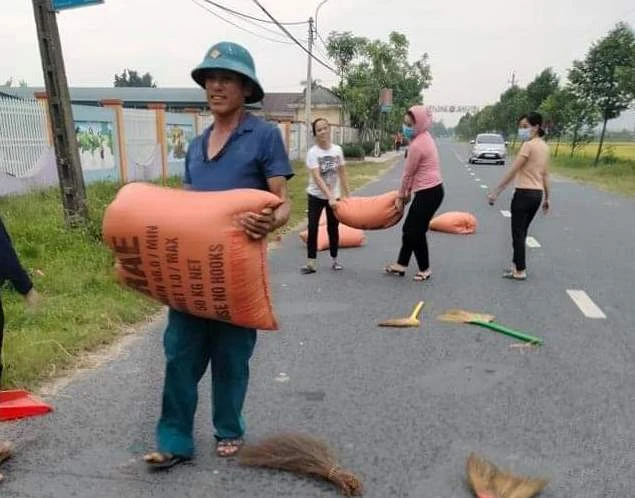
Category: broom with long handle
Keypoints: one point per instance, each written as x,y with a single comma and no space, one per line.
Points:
487,321
488,481
410,321
301,454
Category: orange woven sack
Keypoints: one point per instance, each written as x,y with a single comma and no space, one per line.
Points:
454,222
369,213
184,249
349,237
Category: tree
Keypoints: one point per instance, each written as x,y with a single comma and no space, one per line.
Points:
544,85
603,76
131,78
367,67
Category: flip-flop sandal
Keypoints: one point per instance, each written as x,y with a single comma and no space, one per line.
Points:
393,271
510,275
307,270
337,267
420,277
226,448
167,460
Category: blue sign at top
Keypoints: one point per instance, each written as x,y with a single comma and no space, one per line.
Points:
70,4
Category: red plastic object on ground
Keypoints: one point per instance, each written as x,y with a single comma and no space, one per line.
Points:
21,404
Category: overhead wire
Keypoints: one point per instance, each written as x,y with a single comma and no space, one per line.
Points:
293,38
216,14
247,16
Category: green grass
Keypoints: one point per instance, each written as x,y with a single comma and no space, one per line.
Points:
83,307
617,176
621,150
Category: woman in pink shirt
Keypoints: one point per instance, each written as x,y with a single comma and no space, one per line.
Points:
421,177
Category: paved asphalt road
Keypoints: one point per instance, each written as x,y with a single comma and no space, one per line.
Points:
404,408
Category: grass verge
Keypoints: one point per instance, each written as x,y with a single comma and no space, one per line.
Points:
617,176
83,307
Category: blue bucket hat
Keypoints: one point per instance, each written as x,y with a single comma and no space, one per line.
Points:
231,57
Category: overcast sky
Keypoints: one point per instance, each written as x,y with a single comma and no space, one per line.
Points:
474,46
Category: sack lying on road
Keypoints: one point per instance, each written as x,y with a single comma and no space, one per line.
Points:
369,213
349,237
454,222
184,249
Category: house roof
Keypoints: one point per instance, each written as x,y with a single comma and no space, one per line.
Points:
320,96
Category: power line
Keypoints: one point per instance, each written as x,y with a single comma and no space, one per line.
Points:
241,14
275,33
238,26
286,31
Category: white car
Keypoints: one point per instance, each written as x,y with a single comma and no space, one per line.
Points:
488,147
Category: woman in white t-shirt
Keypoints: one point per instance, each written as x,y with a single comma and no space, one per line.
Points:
327,183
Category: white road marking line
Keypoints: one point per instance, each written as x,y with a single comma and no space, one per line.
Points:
586,305
459,158
477,179
483,186
506,214
531,242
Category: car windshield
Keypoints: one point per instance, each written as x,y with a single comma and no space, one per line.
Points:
489,139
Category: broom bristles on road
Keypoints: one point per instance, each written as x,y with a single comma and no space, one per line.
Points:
488,481
464,316
301,454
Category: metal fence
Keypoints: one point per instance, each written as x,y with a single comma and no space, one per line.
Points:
23,135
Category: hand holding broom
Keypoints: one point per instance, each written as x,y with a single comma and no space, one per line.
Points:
301,454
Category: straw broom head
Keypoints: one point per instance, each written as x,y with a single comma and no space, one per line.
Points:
464,316
508,485
301,454
411,321
479,475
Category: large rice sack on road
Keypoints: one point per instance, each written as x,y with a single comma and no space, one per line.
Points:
185,250
454,222
369,213
349,237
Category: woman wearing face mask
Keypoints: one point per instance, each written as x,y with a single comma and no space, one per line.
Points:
421,178
327,183
530,170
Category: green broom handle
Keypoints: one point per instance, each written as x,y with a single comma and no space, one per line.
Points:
507,331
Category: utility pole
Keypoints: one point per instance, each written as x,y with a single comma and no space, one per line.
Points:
69,167
309,87
513,80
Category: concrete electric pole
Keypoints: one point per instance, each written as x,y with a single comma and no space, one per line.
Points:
69,167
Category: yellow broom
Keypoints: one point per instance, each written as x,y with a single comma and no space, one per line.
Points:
411,321
301,454
488,481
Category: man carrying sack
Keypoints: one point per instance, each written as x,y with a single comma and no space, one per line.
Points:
238,150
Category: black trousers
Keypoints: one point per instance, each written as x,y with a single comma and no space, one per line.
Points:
425,204
525,205
316,205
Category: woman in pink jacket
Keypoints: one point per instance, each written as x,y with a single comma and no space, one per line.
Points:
421,178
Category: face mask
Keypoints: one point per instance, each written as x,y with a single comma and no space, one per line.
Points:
408,131
524,134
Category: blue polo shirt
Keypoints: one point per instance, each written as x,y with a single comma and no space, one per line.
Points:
253,153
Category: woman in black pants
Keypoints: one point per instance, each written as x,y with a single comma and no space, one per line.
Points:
327,183
530,170
421,177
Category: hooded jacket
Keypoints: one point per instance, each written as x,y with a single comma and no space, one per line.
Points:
422,170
